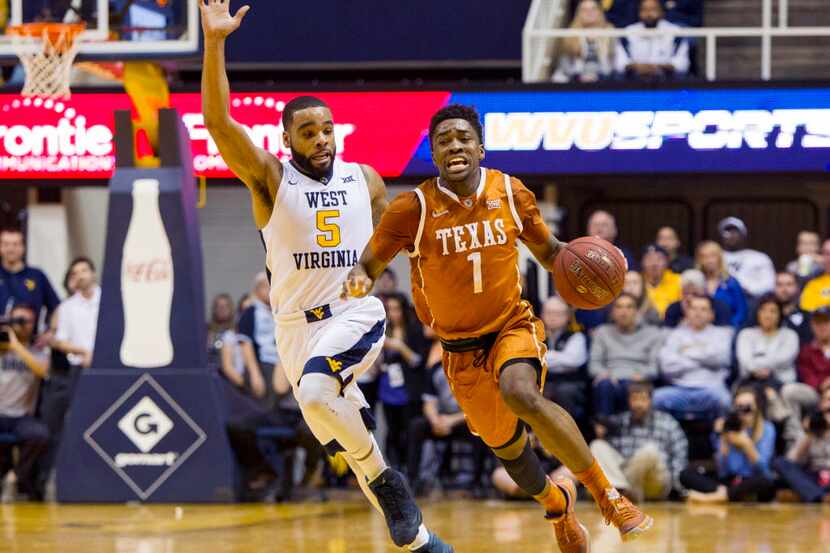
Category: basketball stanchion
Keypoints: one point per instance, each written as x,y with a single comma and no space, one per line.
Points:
151,424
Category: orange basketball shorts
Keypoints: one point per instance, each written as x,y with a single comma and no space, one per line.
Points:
476,385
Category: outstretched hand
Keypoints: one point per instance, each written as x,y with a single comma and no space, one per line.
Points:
217,22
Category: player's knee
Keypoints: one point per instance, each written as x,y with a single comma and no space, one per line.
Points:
524,400
314,392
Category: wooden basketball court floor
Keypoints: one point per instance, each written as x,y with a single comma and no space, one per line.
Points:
349,526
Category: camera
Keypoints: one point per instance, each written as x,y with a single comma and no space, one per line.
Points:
732,422
8,321
818,423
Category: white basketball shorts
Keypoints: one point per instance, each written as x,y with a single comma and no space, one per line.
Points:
341,339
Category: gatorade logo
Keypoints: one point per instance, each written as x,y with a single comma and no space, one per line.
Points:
145,424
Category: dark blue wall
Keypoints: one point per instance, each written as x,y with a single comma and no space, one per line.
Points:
379,30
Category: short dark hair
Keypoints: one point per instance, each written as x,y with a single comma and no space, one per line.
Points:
13,230
81,259
624,295
24,305
640,387
705,298
457,111
298,104
769,297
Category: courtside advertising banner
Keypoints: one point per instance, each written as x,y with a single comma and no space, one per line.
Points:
525,132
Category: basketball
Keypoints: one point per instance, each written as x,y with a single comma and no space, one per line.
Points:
589,273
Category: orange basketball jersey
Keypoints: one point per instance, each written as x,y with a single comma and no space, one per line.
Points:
463,251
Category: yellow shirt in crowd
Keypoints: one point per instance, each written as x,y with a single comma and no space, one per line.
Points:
666,292
816,293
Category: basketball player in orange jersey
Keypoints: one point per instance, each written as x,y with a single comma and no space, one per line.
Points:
460,231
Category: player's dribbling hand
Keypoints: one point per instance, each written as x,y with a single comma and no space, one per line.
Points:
217,21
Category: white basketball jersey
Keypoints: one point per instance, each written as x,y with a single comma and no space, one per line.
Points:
316,234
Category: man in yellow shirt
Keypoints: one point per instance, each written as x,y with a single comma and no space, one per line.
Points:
662,285
817,291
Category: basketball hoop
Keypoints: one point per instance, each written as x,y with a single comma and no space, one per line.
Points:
46,51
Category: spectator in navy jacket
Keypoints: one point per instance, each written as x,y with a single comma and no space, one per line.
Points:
719,285
20,283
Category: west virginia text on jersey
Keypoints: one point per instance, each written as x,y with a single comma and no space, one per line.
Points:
315,235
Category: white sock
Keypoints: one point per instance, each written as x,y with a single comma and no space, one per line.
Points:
320,400
420,540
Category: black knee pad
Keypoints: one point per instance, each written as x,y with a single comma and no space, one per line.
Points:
526,471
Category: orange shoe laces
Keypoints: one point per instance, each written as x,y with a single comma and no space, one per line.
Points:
619,509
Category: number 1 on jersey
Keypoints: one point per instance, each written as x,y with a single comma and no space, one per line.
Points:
478,286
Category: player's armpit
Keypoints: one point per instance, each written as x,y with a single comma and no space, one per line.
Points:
377,193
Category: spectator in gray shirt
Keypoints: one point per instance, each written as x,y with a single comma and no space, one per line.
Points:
767,352
622,351
695,361
22,367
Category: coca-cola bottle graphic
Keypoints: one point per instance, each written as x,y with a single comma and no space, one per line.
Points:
146,282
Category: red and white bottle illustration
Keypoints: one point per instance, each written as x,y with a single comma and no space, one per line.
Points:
146,282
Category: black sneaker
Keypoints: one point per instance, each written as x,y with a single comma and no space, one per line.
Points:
403,517
435,545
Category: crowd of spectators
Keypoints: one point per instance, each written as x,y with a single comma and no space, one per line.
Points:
708,378
636,56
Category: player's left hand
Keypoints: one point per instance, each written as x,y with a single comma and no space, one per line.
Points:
357,285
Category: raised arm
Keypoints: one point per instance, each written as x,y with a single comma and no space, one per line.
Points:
258,169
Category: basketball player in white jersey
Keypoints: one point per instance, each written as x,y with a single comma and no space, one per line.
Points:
316,215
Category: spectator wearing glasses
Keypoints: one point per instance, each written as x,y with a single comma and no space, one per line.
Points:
22,367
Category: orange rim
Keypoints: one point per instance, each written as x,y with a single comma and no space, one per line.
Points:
60,35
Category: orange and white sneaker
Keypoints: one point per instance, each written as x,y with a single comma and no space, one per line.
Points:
629,520
571,536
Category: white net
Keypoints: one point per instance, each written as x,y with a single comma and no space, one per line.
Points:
47,54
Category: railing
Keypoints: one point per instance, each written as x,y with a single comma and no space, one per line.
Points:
545,19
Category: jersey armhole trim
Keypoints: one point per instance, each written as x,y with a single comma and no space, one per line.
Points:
508,186
416,251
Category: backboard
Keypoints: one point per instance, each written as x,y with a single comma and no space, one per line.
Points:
117,29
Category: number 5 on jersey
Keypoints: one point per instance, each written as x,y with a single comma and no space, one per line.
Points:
330,236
